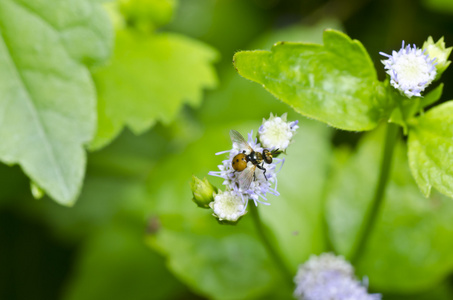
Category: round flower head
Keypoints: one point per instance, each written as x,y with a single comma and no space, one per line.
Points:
228,206
277,132
411,70
327,277
260,185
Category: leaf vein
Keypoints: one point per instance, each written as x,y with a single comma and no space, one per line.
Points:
35,115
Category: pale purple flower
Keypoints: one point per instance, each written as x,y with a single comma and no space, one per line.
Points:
329,277
411,70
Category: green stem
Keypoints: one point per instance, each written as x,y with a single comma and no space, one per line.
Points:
367,228
286,273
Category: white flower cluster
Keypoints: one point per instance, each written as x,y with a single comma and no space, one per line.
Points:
411,70
327,277
227,206
277,133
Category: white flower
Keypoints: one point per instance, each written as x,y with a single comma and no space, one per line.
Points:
260,186
411,70
327,277
277,132
228,206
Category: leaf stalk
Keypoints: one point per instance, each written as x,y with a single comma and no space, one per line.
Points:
277,259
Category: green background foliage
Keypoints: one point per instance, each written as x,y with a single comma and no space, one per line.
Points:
152,94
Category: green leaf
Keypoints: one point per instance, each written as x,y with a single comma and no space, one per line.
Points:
431,150
409,249
335,83
48,99
116,264
211,263
432,97
149,79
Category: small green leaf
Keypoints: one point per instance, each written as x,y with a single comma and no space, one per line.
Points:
406,108
431,150
48,100
335,83
149,79
432,96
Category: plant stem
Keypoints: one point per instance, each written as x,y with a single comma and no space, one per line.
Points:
286,273
373,212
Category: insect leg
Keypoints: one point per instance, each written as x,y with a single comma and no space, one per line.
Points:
262,168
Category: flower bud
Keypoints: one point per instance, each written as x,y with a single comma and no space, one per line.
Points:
438,52
203,191
36,191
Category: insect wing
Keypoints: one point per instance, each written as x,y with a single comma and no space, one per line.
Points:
245,177
239,140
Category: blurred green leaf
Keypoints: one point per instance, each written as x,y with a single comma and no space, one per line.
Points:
147,14
48,97
15,185
211,263
116,264
440,292
103,199
432,97
227,25
409,250
443,6
149,79
430,150
335,83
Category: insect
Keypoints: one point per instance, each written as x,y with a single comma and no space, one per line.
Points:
239,162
